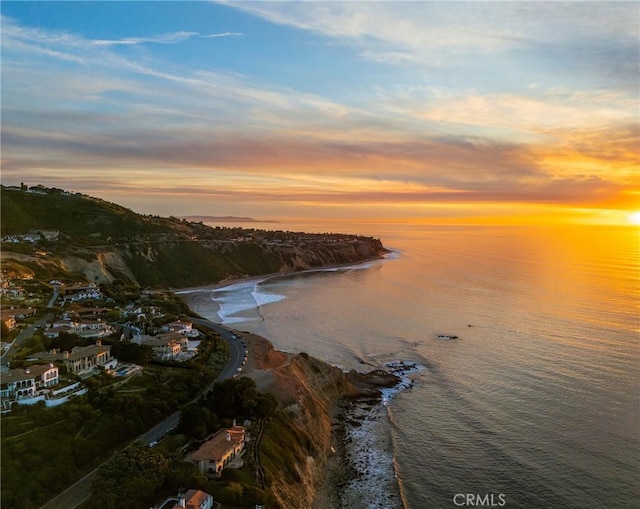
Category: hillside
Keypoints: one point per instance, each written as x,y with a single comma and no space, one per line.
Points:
56,234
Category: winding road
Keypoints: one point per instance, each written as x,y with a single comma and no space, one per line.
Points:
77,493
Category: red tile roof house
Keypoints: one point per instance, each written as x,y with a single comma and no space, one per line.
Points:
192,499
195,499
218,451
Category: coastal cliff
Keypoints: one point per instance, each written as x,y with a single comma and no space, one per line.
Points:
302,436
52,233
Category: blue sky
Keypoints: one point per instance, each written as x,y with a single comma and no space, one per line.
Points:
384,110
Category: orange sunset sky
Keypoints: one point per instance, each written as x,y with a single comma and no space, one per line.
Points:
427,112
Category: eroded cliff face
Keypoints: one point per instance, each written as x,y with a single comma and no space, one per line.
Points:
299,437
183,264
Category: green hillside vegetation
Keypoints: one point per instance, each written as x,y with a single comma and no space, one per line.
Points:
46,449
106,243
77,216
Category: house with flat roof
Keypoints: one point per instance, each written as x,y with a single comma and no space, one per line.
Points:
218,451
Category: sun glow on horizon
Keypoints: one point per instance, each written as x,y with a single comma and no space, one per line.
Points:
634,218
177,110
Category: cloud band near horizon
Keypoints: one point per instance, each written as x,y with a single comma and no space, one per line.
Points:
116,113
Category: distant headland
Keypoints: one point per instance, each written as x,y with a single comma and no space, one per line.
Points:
225,219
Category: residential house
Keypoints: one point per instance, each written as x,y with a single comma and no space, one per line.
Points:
82,359
195,499
80,291
8,319
164,346
50,234
218,450
178,326
26,383
61,326
90,311
94,328
192,499
13,292
30,237
24,312
54,332
87,328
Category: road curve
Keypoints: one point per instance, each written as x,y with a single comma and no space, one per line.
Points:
77,493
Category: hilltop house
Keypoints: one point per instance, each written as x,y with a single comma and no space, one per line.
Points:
218,450
79,292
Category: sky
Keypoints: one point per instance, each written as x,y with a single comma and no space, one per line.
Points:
424,112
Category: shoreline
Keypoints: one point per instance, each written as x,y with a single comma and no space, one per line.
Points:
346,470
355,418
223,283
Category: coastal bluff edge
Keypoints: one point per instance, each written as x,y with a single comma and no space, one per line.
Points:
300,447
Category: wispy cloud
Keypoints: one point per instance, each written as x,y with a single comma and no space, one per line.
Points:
170,38
223,34
74,105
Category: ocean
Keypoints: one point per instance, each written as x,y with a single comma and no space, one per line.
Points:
526,342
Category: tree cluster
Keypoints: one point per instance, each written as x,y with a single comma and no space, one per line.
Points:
235,398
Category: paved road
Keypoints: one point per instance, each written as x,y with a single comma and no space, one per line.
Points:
25,333
77,493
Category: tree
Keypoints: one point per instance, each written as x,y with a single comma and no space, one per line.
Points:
197,422
126,351
234,397
130,479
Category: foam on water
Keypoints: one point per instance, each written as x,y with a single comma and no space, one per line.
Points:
376,483
264,298
241,301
